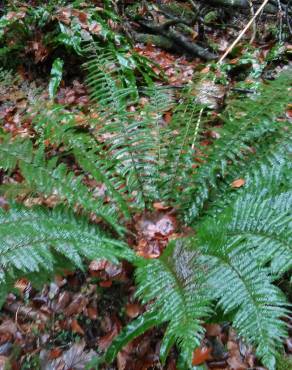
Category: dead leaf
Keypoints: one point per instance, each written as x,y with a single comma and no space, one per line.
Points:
133,310
160,206
237,183
75,358
201,355
22,284
64,15
105,341
167,117
55,353
76,328
148,249
4,204
92,312
95,28
15,15
8,330
95,266
62,302
76,306
213,330
106,284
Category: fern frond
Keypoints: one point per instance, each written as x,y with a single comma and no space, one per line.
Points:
48,178
30,239
234,257
249,122
185,131
59,126
109,88
243,287
175,286
266,224
250,243
129,138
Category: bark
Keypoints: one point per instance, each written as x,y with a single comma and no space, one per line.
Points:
230,3
191,48
158,40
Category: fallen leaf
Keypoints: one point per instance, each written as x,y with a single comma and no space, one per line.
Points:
106,284
21,284
75,358
92,312
167,117
160,206
237,183
201,355
55,353
133,310
63,301
76,306
4,204
76,328
213,330
105,341
210,94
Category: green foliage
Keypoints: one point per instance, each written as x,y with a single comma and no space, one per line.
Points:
41,235
48,178
56,76
247,123
243,236
65,26
232,261
178,297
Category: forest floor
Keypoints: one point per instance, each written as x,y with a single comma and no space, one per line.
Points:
76,316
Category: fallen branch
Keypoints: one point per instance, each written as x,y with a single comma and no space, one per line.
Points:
190,47
167,37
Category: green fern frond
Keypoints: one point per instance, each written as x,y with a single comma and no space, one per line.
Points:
266,224
268,171
185,132
243,286
248,123
129,138
48,178
107,84
233,258
59,126
176,287
250,242
30,239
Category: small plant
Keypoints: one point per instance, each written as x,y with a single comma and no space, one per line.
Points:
37,32
237,200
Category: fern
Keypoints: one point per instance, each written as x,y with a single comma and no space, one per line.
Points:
48,178
233,260
175,285
250,122
242,242
30,239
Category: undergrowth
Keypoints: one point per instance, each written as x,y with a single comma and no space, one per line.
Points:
241,242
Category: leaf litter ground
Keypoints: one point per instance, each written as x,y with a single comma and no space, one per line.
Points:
75,317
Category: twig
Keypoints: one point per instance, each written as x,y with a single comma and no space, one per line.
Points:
254,27
235,42
280,15
287,17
